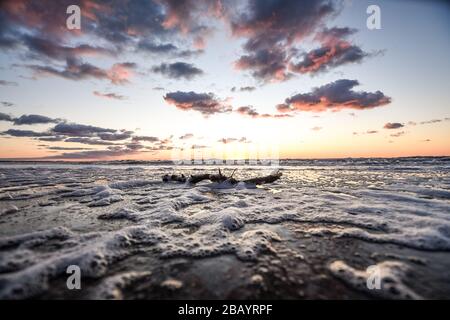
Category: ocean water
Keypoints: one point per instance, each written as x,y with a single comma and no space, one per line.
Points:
318,232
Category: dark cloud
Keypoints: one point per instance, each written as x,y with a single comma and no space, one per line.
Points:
89,141
231,140
166,49
243,89
157,48
335,51
334,96
371,131
109,95
38,28
75,69
7,104
79,130
250,111
51,49
178,70
205,103
187,17
145,138
28,119
95,154
134,146
266,64
186,136
393,125
52,138
24,133
114,136
398,134
431,121
5,117
67,148
198,146
272,28
227,140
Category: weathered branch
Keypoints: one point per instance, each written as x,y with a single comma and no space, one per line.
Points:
193,179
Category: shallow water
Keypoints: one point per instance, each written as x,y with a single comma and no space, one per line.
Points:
312,234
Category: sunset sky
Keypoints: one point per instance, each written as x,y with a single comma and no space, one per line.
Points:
152,79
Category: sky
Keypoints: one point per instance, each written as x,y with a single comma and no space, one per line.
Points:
166,79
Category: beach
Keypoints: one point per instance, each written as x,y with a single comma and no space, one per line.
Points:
316,233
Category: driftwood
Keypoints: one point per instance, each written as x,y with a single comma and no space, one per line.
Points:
193,179
174,177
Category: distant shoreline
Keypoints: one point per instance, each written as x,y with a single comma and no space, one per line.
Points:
170,162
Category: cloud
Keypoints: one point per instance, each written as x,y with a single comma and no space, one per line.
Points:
39,46
198,146
316,128
272,28
334,96
52,138
243,89
145,138
67,148
114,136
89,141
205,103
187,17
5,117
134,146
371,131
250,111
398,134
7,104
157,48
81,130
186,136
75,69
8,83
268,65
28,119
393,125
231,140
109,95
24,133
95,154
39,28
166,49
334,52
178,70
431,121
227,140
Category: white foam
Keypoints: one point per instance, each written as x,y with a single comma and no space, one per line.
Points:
111,287
390,274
